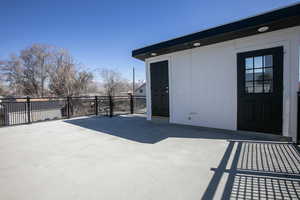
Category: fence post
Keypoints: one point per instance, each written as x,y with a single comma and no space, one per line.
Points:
111,106
96,105
6,120
131,104
28,110
68,107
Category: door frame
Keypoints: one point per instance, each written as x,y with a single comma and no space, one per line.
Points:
256,52
148,85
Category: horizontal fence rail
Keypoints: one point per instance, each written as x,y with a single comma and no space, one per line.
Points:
15,111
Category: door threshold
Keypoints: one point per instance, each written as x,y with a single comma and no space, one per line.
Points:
160,119
266,135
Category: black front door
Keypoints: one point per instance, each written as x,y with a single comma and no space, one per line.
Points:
260,87
159,88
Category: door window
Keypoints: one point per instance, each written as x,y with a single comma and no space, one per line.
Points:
259,74
260,90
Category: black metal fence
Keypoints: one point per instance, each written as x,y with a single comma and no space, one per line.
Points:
14,111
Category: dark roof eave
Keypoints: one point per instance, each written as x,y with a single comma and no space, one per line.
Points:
278,19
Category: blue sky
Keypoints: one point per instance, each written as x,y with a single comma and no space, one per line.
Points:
102,34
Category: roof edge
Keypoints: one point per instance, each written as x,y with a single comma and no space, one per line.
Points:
253,21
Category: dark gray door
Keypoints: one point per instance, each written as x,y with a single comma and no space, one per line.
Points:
159,88
260,90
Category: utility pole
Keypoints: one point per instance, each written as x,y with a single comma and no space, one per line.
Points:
133,81
43,75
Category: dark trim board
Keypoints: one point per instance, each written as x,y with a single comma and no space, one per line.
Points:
260,111
275,20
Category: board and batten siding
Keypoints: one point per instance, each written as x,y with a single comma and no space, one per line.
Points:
203,80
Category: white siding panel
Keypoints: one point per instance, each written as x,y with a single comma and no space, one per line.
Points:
214,87
181,88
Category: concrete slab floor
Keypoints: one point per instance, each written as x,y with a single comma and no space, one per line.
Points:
130,158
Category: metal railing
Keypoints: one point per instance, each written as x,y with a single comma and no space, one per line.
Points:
15,111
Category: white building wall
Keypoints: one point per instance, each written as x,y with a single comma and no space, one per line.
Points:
141,91
203,81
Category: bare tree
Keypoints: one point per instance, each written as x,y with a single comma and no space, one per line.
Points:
62,74
36,62
113,83
42,69
28,72
13,72
2,89
65,77
83,82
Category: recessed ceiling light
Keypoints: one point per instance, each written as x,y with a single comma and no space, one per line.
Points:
196,44
153,54
263,29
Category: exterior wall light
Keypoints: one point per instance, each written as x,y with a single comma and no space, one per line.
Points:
196,44
263,29
153,54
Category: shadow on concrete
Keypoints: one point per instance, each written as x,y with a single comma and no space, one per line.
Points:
138,129
259,170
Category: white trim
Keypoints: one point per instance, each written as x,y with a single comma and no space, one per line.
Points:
286,77
148,91
148,85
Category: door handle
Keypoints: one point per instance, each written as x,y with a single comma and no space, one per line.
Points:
167,89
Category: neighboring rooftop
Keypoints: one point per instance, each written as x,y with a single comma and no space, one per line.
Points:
140,87
269,21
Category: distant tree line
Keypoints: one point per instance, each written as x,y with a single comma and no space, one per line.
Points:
43,70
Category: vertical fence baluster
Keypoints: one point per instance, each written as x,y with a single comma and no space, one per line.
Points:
6,116
68,107
131,104
28,110
96,105
111,107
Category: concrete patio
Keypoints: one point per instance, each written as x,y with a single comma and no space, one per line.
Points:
130,158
